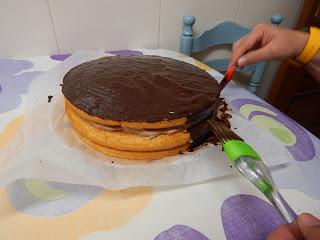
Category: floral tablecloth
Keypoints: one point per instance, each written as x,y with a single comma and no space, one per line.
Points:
224,208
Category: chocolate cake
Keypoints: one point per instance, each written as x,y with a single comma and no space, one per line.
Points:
140,107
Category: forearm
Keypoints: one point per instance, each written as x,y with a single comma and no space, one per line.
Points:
314,67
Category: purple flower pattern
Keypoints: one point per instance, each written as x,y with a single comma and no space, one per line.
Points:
303,149
60,57
181,232
247,217
125,52
13,84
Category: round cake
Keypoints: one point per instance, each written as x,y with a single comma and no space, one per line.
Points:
140,107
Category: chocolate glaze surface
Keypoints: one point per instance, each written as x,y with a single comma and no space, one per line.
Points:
140,88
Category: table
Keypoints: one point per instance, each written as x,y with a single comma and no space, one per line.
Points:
224,208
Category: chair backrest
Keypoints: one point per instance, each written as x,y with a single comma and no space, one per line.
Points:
223,33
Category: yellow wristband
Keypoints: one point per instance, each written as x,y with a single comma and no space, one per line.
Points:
295,63
311,48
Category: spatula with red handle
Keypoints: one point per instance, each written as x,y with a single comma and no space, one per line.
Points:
227,77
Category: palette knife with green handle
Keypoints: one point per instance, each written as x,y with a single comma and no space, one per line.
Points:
249,163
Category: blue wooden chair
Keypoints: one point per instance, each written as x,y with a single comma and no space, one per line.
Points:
221,34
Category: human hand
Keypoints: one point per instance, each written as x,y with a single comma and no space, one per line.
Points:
306,227
266,42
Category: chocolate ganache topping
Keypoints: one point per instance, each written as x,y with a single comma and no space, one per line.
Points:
140,88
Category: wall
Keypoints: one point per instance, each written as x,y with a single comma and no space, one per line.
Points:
42,27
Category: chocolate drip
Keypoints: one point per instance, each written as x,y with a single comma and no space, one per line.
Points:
141,89
200,133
